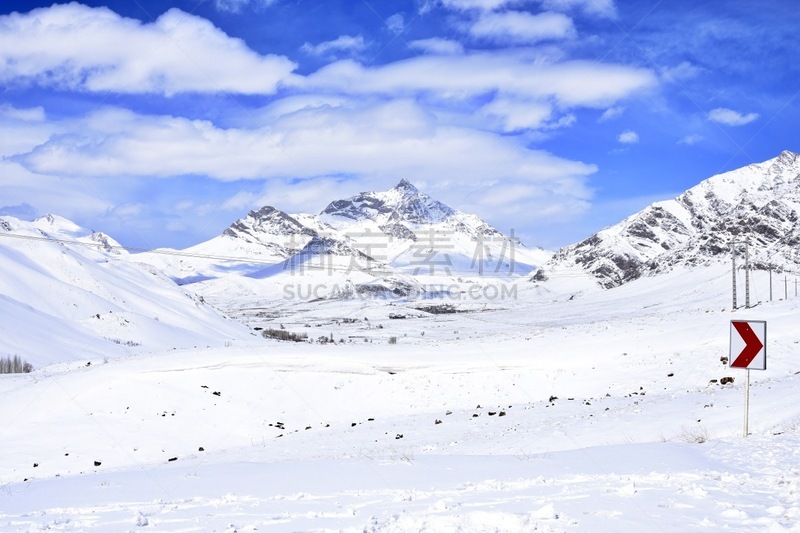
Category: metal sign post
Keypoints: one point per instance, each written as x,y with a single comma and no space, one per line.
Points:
747,404
748,350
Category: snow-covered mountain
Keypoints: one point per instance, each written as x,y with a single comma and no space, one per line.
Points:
758,204
399,232
68,293
264,237
403,203
417,234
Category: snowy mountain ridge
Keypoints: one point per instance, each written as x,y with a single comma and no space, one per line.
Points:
758,203
402,230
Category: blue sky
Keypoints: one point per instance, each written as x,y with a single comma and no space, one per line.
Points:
162,122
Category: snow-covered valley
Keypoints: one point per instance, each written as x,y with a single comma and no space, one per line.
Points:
595,413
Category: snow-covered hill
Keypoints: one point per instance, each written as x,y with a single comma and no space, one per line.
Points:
67,293
758,204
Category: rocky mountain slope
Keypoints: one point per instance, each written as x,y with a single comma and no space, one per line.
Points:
757,204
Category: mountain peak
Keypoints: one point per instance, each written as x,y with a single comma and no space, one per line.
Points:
787,157
266,220
59,226
406,186
404,203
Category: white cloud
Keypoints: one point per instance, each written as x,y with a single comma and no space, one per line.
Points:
437,46
30,114
377,140
466,5
517,115
611,113
232,6
521,27
729,117
603,8
569,83
344,43
564,122
396,23
691,139
235,6
681,72
80,48
21,129
628,137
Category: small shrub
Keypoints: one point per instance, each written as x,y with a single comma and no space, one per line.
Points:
283,335
392,340
693,435
14,365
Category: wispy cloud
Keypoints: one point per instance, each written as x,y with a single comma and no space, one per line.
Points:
691,139
522,27
680,72
569,83
611,113
235,6
516,115
466,5
351,44
438,46
603,8
600,8
729,117
396,23
628,137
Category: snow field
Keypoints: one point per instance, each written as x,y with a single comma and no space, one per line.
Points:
308,437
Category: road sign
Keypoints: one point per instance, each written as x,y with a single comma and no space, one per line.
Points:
748,344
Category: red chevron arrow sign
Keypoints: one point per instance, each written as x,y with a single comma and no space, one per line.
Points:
748,344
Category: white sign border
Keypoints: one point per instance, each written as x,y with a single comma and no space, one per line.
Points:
737,344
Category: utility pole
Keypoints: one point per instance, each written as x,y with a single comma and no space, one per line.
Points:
746,275
785,287
770,283
733,271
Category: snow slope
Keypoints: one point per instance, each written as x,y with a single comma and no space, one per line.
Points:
69,294
584,411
